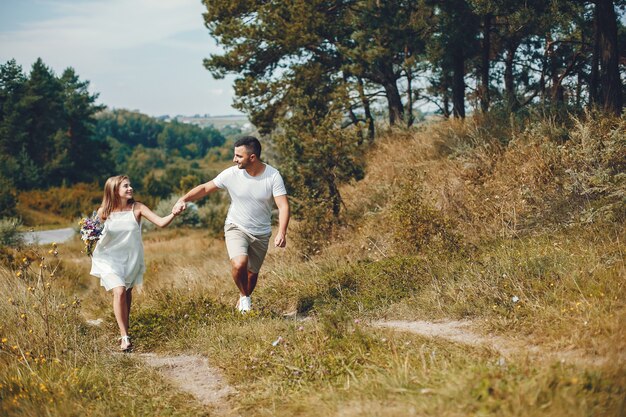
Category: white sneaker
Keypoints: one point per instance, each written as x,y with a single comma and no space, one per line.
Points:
245,304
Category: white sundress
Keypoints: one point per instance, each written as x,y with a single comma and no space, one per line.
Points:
118,257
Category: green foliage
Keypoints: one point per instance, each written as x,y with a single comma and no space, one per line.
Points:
317,156
9,232
189,218
130,130
8,198
46,128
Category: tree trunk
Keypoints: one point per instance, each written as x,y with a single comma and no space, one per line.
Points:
594,92
509,82
369,119
446,96
394,102
609,57
458,83
334,195
409,97
556,93
484,69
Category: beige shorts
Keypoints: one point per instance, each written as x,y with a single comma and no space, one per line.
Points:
240,243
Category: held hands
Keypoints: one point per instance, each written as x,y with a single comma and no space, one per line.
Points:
280,241
179,207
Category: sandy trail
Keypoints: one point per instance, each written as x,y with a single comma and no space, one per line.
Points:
194,375
461,332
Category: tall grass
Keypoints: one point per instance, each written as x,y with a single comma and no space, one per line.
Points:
53,363
515,224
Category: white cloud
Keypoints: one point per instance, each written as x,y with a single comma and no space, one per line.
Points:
139,54
113,24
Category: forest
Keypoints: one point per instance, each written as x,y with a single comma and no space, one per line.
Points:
52,134
307,71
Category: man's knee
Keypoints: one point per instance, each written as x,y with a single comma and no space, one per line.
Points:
239,263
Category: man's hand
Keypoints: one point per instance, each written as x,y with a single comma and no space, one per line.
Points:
280,241
179,207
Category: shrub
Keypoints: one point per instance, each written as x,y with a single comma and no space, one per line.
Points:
188,218
9,234
7,197
68,202
417,224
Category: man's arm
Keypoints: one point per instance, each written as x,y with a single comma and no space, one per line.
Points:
283,220
196,193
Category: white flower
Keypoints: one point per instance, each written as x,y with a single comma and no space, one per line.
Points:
515,298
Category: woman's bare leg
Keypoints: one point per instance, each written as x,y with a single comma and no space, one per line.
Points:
121,309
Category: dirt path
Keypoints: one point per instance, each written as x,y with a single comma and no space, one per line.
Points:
194,375
461,332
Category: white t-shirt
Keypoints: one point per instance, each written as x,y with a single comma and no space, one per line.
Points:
251,197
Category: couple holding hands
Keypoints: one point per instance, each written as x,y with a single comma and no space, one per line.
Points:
253,186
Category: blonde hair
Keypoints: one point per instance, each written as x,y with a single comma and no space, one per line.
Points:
111,198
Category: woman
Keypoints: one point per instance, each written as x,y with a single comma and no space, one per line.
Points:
118,257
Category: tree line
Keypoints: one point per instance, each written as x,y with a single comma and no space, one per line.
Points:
454,54
53,133
315,75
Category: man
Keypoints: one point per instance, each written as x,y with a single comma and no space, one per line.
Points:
251,185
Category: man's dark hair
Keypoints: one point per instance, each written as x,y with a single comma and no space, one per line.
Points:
252,144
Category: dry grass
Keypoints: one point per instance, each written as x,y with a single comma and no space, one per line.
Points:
537,208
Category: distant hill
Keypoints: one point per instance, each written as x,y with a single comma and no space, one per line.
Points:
218,122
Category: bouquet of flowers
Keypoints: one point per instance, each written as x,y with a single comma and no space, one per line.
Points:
90,231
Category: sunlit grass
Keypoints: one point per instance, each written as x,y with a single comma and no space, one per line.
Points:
531,262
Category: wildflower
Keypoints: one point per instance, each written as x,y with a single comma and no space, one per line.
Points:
515,298
23,316
19,274
4,340
25,260
11,301
277,341
90,231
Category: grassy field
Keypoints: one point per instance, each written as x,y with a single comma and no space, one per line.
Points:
515,226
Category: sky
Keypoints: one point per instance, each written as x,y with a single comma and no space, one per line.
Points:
143,55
